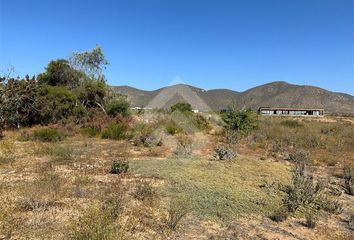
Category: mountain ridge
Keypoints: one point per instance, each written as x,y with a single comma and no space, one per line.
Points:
274,94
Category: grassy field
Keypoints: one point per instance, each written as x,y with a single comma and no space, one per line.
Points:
219,190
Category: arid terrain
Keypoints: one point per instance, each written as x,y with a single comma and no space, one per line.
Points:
173,186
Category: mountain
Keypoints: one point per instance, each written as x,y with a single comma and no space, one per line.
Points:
275,94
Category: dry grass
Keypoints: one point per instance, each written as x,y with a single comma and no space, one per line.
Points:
64,189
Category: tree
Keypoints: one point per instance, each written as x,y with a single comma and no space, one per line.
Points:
243,121
182,106
91,63
60,73
19,103
92,93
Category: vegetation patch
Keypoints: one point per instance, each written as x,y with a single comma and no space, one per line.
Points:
47,135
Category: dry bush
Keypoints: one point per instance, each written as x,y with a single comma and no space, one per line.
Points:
62,153
349,180
302,192
147,135
311,219
144,191
7,152
184,147
280,215
224,152
9,221
179,208
94,223
351,221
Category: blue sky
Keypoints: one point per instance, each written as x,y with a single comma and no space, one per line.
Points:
211,44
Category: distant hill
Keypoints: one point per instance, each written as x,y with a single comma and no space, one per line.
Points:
275,94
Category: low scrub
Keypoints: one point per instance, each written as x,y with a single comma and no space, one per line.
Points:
311,219
184,147
7,153
115,131
224,152
94,224
349,180
47,135
178,209
144,191
280,215
90,132
291,123
119,166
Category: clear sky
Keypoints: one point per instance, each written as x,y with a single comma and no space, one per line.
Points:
210,44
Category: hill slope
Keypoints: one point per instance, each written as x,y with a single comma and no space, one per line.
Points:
275,94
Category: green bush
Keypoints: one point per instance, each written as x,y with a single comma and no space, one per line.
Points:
243,121
90,132
182,107
47,135
172,128
118,106
119,166
115,131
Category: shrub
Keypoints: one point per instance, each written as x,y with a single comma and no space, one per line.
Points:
351,221
182,107
24,136
201,122
303,191
147,135
47,135
184,147
329,205
90,132
243,121
291,123
224,152
94,224
144,191
311,219
118,106
115,131
349,180
119,166
178,208
280,215
300,157
7,153
172,128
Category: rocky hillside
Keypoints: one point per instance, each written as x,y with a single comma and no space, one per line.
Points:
275,94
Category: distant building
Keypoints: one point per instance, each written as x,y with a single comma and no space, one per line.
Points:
304,112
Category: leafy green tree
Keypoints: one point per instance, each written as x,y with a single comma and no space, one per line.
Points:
243,121
60,73
92,63
118,106
182,106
